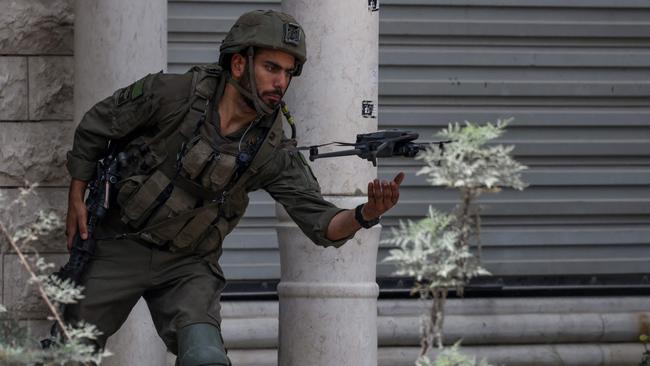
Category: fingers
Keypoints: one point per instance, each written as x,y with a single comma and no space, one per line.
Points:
76,223
394,187
374,193
386,195
375,200
70,232
394,193
399,178
82,224
383,195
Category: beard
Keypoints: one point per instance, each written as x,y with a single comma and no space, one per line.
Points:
245,82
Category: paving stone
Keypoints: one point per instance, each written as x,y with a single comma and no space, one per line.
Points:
51,88
37,328
17,217
2,298
36,27
13,88
34,152
20,297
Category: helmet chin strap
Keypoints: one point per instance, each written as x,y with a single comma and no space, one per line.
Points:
261,108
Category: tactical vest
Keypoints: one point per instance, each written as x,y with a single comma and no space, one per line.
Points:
179,180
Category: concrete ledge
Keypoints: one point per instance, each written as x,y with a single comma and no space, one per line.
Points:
484,306
602,354
519,328
249,309
262,332
495,306
318,290
250,333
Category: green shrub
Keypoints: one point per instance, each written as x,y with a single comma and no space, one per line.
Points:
437,250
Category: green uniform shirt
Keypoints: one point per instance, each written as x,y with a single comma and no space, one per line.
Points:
153,103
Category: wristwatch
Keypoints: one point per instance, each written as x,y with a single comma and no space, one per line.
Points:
364,223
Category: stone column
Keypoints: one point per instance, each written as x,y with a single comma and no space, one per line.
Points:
116,43
328,296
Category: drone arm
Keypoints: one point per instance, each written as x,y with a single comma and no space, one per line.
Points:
313,157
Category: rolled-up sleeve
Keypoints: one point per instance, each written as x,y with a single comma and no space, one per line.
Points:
110,119
90,140
294,186
79,168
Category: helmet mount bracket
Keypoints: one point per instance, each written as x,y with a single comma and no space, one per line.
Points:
292,34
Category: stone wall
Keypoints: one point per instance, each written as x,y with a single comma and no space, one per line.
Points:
36,90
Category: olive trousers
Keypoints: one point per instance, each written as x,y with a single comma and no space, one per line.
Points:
180,289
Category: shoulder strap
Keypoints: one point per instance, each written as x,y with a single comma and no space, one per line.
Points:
271,142
204,82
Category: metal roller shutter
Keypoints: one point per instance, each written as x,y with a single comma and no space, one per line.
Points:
574,75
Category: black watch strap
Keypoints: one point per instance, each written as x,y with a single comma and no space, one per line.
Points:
364,223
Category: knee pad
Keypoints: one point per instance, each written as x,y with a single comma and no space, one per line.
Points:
201,345
204,356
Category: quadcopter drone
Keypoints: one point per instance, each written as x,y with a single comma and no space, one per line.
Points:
380,144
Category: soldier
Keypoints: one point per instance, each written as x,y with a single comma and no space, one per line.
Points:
197,143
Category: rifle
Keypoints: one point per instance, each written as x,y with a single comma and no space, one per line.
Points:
380,144
97,202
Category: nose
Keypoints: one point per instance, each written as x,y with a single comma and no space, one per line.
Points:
281,81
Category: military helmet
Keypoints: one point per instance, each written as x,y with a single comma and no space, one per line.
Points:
265,29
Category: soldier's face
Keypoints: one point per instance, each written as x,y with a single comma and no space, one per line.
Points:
273,70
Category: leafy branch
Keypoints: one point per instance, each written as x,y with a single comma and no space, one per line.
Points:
73,343
436,250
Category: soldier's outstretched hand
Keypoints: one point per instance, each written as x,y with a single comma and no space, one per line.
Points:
382,196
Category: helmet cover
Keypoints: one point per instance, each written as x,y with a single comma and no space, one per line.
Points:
265,29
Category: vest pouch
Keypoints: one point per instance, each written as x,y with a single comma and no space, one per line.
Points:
219,173
195,230
212,240
138,197
198,155
143,160
127,188
178,202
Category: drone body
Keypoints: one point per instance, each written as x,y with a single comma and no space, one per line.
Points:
380,144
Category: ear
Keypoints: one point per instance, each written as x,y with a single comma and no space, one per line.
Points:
237,65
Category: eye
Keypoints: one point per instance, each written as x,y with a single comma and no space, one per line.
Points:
271,67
